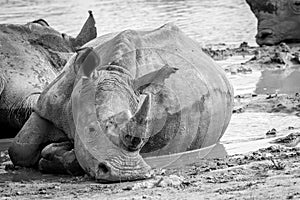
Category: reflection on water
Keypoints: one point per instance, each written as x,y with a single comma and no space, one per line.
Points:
253,126
208,21
246,131
284,81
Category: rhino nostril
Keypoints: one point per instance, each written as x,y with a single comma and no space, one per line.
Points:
265,33
102,168
132,142
136,141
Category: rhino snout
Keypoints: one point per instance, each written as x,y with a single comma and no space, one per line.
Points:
266,37
264,33
120,169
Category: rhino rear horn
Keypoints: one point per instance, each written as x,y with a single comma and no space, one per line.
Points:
87,33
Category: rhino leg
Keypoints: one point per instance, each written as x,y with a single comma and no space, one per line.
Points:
36,133
59,158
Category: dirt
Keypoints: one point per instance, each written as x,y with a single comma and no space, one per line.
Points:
270,173
267,173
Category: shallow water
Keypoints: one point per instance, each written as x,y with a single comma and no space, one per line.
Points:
208,21
279,81
250,126
246,131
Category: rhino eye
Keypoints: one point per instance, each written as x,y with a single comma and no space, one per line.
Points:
295,6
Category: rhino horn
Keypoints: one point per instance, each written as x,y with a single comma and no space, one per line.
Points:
141,116
87,33
136,131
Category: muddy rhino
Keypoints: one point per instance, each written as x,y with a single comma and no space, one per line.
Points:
278,20
123,97
31,56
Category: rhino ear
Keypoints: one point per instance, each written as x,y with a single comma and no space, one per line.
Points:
87,60
41,22
87,33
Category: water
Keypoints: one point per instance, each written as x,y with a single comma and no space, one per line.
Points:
207,21
246,131
281,81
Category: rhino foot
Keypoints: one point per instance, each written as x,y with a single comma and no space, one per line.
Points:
26,147
59,158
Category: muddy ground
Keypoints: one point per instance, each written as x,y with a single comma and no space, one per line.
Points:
268,173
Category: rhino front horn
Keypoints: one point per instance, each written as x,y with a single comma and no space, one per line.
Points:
143,112
136,132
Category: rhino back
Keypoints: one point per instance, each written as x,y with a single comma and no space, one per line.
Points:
24,67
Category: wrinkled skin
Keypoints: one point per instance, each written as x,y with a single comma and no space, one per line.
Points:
278,20
121,96
31,56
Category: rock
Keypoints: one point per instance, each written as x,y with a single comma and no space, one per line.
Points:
170,181
273,131
290,140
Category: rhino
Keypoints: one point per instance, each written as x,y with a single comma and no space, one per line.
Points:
124,97
31,56
278,21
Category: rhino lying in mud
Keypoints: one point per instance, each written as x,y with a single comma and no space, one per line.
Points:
278,20
122,97
30,57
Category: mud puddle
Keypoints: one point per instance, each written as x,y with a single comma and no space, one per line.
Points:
247,130
285,81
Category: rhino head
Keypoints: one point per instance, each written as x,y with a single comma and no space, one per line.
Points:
278,20
111,121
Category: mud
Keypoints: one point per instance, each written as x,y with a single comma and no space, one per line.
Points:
268,172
